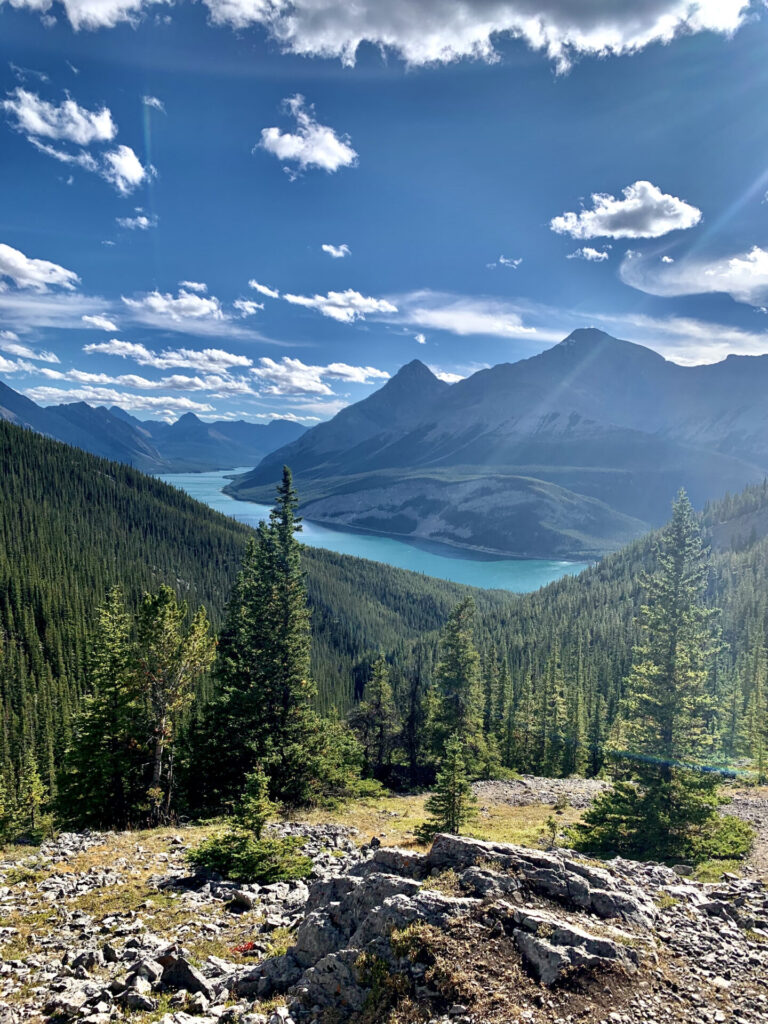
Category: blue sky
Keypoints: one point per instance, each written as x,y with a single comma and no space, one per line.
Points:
485,175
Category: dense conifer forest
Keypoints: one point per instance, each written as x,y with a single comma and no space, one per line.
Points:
541,675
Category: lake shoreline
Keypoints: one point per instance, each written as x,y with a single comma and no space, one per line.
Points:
486,570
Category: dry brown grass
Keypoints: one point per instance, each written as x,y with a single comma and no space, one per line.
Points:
394,819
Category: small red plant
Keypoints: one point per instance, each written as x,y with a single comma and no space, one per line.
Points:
244,947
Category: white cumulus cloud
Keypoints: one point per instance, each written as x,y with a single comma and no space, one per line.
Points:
66,122
123,169
337,252
211,360
185,305
312,144
293,377
38,275
440,31
644,212
139,222
743,276
194,286
346,307
586,252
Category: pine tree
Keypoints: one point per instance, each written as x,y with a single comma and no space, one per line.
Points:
668,806
375,720
554,717
31,819
525,728
459,707
104,781
266,711
169,658
255,807
452,804
7,813
756,724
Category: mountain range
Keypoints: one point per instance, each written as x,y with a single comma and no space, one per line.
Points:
570,453
188,445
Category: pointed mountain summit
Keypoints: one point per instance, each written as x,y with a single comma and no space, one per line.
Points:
566,454
381,417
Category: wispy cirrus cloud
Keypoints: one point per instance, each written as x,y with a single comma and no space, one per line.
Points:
9,343
168,406
100,321
263,289
743,276
464,315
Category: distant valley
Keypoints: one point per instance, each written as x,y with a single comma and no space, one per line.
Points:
188,445
571,453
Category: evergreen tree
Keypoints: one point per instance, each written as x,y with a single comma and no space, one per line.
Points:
756,724
31,819
667,807
266,711
452,804
255,807
104,780
459,695
7,813
554,717
169,658
375,720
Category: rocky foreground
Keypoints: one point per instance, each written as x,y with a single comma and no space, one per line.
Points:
98,928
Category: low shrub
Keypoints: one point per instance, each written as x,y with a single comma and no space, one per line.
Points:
238,855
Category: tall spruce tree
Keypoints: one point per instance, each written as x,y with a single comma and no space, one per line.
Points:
375,720
103,782
458,698
266,714
31,820
666,806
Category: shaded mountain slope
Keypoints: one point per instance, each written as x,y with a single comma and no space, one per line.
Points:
594,418
189,444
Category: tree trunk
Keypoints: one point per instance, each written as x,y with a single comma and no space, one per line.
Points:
157,770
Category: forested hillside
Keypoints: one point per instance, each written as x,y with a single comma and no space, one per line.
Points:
551,664
72,525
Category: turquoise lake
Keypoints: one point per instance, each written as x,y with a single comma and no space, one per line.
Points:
516,574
